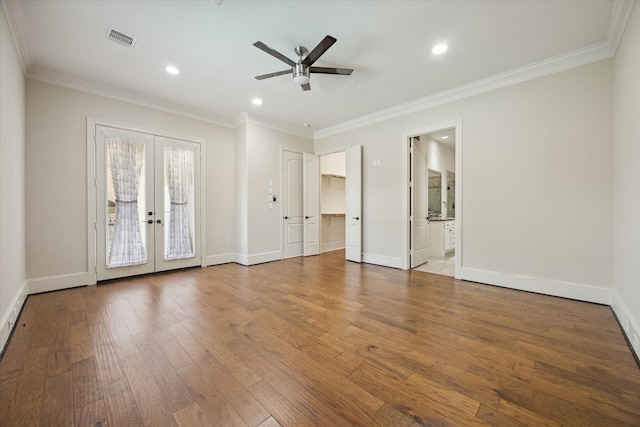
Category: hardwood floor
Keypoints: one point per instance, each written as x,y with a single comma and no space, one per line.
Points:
314,342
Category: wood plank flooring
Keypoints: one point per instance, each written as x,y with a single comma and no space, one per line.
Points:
314,342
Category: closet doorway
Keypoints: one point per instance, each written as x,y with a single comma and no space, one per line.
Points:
333,200
147,203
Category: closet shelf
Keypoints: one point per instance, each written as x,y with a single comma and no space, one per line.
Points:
334,213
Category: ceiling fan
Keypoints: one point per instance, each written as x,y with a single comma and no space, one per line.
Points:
303,67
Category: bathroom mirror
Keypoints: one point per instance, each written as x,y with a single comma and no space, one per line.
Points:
434,192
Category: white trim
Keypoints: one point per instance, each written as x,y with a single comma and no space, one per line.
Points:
332,150
333,246
618,22
91,186
57,79
457,125
14,307
56,283
246,119
594,53
630,325
557,288
383,260
14,12
257,258
219,259
203,201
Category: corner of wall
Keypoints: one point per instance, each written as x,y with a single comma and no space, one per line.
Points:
630,325
10,317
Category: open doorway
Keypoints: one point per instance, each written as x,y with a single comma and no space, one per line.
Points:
333,201
432,201
341,202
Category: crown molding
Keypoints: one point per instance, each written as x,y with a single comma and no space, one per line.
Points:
57,79
618,22
14,12
594,53
246,118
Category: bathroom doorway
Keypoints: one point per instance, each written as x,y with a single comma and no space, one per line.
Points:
432,199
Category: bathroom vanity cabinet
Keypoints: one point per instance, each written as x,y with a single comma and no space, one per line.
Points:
441,237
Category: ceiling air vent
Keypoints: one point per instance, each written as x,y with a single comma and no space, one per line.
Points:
121,38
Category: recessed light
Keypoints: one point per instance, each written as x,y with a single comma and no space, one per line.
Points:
445,137
256,101
439,49
172,70
306,125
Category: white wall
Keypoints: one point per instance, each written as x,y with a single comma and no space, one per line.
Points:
56,183
626,266
536,183
259,163
12,187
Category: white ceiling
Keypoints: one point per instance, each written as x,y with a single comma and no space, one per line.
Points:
387,43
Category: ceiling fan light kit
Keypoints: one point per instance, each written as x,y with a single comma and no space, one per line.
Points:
301,74
302,69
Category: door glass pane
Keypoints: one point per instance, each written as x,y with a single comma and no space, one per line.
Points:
179,197
126,236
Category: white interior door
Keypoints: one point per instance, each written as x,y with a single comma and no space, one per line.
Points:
419,223
353,204
147,203
311,197
292,203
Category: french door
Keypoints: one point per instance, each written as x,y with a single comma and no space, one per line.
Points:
148,199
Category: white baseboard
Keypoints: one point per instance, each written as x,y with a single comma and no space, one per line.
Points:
332,246
386,261
245,259
558,288
10,316
630,324
56,283
219,259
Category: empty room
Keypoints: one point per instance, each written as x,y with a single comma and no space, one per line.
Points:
319,213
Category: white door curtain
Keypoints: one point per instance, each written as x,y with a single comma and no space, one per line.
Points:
179,170
126,160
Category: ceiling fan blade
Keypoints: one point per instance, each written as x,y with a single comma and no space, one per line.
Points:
306,87
327,70
274,53
276,74
317,51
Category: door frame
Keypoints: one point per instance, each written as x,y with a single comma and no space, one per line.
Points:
406,209
321,153
92,122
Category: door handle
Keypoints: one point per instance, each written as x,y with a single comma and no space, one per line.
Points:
357,218
159,221
286,217
307,217
150,213
150,221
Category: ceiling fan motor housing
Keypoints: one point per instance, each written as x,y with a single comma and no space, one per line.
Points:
301,74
